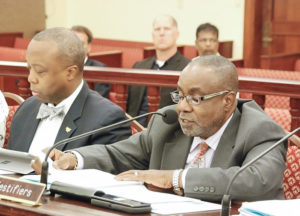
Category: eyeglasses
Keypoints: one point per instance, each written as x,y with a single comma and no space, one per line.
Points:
205,40
194,100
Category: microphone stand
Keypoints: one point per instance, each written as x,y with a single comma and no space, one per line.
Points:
44,172
226,200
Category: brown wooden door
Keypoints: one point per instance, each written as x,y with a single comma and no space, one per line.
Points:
272,33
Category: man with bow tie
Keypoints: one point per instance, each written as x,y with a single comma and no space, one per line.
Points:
62,105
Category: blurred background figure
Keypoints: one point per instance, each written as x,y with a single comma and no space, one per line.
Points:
86,36
207,42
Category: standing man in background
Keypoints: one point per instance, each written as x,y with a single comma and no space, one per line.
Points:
86,36
207,42
164,34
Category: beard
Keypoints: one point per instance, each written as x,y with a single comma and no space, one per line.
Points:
196,128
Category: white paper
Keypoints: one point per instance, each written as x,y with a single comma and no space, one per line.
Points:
161,203
92,178
271,207
184,207
4,172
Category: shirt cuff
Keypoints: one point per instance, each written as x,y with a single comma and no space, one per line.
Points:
183,175
80,162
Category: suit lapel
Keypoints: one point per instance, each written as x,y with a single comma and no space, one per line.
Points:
227,142
32,129
176,151
173,62
68,126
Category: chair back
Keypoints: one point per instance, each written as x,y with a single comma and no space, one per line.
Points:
135,125
291,178
12,109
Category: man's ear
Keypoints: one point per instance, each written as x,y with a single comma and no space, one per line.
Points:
89,48
72,72
229,100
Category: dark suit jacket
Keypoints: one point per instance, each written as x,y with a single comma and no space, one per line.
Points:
89,111
136,94
102,88
165,147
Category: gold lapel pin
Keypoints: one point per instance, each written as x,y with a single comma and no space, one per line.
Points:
68,129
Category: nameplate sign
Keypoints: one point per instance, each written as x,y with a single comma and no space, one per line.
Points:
20,190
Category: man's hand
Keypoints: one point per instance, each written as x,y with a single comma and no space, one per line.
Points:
158,178
61,161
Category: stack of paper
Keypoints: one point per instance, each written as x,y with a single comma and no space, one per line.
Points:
161,203
271,208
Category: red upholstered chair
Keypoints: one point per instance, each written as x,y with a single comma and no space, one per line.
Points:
297,65
281,116
12,110
135,125
272,101
291,179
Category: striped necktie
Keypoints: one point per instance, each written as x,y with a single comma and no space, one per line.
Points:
199,160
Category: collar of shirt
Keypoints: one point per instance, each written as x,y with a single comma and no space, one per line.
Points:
85,59
162,64
67,102
212,141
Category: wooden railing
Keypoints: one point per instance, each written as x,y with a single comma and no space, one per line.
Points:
284,61
154,79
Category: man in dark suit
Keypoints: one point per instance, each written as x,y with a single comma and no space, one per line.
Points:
173,155
86,36
62,105
164,35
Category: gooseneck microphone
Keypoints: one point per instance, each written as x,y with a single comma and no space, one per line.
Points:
226,201
169,117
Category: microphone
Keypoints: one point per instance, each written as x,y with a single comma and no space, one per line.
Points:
169,117
226,200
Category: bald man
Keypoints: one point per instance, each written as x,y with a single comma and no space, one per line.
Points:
62,105
164,34
172,155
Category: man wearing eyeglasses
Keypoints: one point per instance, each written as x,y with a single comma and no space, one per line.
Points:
207,42
215,135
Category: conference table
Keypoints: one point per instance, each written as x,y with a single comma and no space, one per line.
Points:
62,206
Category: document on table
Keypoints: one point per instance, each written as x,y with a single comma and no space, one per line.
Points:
161,203
271,208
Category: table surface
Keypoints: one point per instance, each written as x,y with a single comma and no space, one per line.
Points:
61,206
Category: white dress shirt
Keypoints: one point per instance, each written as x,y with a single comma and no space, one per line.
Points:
47,129
212,142
3,116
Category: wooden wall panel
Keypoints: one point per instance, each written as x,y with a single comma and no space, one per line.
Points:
27,16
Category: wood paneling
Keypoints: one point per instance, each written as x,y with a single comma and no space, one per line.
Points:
22,16
252,33
155,79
